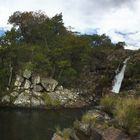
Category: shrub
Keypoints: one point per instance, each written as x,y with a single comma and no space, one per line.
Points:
89,118
66,133
126,113
125,110
108,102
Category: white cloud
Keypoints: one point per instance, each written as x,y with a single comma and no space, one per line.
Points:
108,16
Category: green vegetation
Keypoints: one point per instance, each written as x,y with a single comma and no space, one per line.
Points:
125,110
88,118
45,45
50,101
65,133
108,102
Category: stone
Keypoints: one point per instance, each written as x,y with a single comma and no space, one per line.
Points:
73,136
37,93
37,88
35,102
49,84
60,88
14,94
27,84
36,80
19,80
27,74
28,91
6,99
95,135
99,115
23,100
114,134
57,137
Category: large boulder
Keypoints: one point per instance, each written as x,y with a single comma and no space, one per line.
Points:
38,94
49,84
23,100
27,84
36,80
27,74
19,80
35,102
114,134
6,99
37,88
14,94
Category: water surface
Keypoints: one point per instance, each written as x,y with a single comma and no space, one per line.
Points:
21,124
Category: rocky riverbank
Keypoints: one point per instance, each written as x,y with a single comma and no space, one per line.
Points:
30,90
95,125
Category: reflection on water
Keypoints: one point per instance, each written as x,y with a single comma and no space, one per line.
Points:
33,124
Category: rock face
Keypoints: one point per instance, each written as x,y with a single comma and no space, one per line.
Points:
95,126
32,90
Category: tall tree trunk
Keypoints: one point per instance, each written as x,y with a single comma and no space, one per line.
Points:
11,74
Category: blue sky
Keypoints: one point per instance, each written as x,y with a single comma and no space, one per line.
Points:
119,19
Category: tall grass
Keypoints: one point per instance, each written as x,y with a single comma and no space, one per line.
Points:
125,110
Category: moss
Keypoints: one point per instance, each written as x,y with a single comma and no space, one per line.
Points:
28,66
49,101
66,133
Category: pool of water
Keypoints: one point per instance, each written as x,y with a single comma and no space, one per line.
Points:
21,124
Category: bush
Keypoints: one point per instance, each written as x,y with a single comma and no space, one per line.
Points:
126,113
108,103
88,118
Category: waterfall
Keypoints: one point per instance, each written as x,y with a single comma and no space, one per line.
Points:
119,77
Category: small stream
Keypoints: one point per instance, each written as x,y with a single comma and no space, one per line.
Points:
21,124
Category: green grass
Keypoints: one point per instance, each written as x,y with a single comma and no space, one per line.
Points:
49,101
125,110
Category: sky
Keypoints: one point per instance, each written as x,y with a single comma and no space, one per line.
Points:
119,19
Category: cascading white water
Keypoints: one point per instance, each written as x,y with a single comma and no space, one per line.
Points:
119,77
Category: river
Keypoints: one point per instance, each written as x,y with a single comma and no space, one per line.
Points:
25,124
